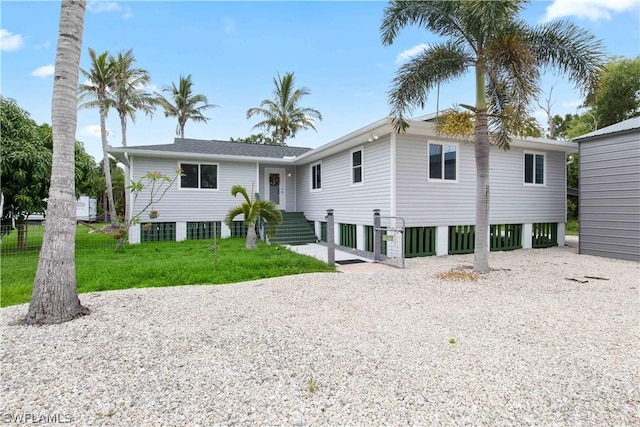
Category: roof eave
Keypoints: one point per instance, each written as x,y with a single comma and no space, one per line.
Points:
120,152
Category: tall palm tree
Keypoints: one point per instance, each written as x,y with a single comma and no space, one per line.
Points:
252,209
127,95
184,104
95,92
283,114
55,293
507,57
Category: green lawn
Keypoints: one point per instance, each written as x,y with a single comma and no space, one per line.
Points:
572,228
100,268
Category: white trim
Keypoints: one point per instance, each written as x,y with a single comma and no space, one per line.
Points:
198,188
393,158
351,169
283,192
443,145
544,168
311,176
132,207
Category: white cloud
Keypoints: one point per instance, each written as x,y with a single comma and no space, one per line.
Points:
10,42
90,131
45,45
407,54
44,71
593,10
229,26
107,7
93,131
572,104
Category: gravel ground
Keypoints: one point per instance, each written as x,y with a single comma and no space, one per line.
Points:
521,346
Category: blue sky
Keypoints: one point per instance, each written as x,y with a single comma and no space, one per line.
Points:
234,49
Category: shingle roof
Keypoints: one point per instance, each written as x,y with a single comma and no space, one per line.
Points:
629,124
201,146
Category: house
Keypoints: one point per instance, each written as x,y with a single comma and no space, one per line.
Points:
423,179
610,191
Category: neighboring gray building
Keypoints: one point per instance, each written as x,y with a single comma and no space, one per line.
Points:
609,207
425,178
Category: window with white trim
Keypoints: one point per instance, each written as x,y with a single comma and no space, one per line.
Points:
356,167
196,175
534,164
443,162
316,176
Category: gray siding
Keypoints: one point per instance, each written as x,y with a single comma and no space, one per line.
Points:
430,203
352,204
180,204
610,196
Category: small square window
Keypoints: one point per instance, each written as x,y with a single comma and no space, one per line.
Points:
316,176
534,168
443,160
356,165
189,179
199,176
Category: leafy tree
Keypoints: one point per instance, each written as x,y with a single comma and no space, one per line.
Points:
88,173
55,294
258,138
127,96
95,92
25,163
283,115
617,95
507,57
252,210
184,104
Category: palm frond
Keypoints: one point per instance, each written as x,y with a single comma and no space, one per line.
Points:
232,214
572,50
415,79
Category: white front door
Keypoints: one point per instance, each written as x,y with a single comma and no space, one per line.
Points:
274,186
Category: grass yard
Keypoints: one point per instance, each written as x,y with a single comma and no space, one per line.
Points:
156,264
572,228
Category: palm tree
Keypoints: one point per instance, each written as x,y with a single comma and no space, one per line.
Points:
252,209
100,78
127,95
183,104
55,293
507,57
283,115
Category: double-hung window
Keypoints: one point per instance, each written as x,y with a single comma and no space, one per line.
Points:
534,164
196,175
443,162
356,167
316,176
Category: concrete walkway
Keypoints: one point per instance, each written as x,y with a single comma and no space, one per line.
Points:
320,252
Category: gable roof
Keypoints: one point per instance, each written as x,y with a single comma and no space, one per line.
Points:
625,125
226,148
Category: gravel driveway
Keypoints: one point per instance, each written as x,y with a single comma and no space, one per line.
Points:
521,346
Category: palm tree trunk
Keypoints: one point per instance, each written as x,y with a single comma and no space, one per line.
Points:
252,237
107,166
127,179
55,294
481,133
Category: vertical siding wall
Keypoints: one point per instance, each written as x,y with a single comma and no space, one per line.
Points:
427,203
352,204
610,196
193,205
